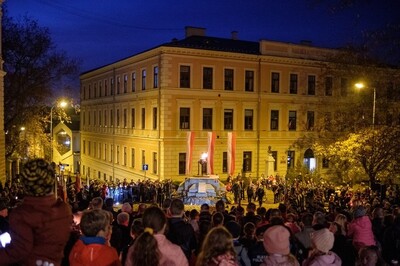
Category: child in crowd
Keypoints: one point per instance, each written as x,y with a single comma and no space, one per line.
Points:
93,248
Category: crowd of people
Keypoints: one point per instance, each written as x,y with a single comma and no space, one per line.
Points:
313,224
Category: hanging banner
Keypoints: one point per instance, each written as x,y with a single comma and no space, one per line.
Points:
210,152
189,151
231,153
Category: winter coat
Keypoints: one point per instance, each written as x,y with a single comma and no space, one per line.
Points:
280,260
328,259
40,228
360,230
93,251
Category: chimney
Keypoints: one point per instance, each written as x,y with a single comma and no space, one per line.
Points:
194,31
234,35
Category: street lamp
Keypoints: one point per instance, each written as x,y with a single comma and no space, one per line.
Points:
360,86
61,104
202,161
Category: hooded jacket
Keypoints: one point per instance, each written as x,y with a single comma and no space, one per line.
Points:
328,259
360,229
89,251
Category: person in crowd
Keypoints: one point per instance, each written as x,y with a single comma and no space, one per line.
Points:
370,256
250,216
341,220
378,226
257,252
96,203
121,236
4,225
322,241
194,220
180,232
241,252
39,226
304,236
217,249
277,245
342,245
93,248
391,242
205,213
136,231
291,223
152,247
220,207
249,235
217,219
319,221
360,229
109,206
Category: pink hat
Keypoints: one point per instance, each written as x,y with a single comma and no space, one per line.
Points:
276,240
323,240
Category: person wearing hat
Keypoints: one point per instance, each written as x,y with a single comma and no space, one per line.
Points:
360,229
40,226
277,245
322,242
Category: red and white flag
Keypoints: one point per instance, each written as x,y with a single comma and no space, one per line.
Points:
231,153
189,151
211,148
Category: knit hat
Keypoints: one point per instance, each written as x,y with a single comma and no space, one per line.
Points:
234,228
322,239
276,240
38,178
359,212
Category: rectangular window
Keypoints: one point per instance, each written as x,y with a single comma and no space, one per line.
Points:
118,85
325,163
310,120
100,89
111,153
117,158
155,118
105,87
155,77
311,85
124,161
84,146
292,120
111,118
125,83
248,119
207,78
90,92
143,118
228,79
99,152
112,85
125,118
143,79
105,118
133,82
95,149
274,120
228,119
293,83
249,80
143,157
328,121
155,163
95,90
247,161
133,120
182,163
100,113
328,86
225,162
89,116
94,118
291,159
118,117
207,118
274,155
105,152
89,148
132,157
184,77
343,87
275,82
184,118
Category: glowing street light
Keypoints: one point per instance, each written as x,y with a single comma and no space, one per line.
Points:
361,86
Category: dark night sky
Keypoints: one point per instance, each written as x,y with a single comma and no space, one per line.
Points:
102,31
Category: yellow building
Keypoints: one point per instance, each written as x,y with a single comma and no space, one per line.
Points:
138,111
2,136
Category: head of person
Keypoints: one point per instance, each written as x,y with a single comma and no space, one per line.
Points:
38,178
95,222
205,207
126,207
220,206
217,242
249,229
154,221
322,240
370,256
136,228
96,203
217,219
251,207
234,228
276,240
123,218
359,211
177,207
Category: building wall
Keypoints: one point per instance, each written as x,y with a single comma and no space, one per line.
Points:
167,140
2,136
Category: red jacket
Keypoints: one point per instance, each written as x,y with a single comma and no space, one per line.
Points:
94,253
39,229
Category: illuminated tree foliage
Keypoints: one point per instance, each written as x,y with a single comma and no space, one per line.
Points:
375,152
33,67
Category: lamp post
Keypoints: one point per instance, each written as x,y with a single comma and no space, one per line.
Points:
61,104
361,86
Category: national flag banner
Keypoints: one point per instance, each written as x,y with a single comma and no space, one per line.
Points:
189,151
231,153
210,156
